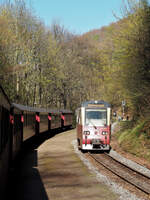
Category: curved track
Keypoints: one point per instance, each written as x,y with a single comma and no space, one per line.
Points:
139,180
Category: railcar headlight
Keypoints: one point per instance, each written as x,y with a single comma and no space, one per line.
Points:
86,132
104,133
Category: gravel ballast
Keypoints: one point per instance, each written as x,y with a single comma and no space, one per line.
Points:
130,163
123,193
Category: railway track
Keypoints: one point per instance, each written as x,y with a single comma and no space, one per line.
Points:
136,178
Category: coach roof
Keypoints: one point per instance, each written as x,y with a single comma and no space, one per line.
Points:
34,109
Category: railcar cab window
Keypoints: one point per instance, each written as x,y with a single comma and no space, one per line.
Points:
97,117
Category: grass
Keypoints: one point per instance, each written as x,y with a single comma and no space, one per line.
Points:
135,138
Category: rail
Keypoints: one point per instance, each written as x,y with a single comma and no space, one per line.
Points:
132,176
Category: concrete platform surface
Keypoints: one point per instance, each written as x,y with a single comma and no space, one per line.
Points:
50,169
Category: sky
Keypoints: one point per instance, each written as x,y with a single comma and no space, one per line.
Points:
77,16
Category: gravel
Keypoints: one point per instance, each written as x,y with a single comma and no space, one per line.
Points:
123,193
125,161
130,163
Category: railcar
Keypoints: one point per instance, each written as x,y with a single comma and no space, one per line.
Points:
4,140
94,125
66,118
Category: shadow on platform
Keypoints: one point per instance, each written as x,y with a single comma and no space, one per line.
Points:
25,182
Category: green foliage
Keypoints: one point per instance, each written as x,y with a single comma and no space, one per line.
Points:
134,139
54,68
51,67
131,53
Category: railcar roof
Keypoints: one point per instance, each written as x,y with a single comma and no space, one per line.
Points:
94,102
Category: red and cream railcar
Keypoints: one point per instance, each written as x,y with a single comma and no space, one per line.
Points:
94,126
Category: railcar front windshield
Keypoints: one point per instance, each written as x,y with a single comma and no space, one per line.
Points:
96,117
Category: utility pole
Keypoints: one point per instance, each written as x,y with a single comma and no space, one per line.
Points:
123,108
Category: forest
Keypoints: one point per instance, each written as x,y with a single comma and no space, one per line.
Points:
53,68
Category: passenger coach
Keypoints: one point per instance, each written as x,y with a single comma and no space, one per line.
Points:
94,126
18,124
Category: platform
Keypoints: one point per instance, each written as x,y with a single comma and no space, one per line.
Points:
51,170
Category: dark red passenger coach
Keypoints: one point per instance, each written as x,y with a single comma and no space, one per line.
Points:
18,123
